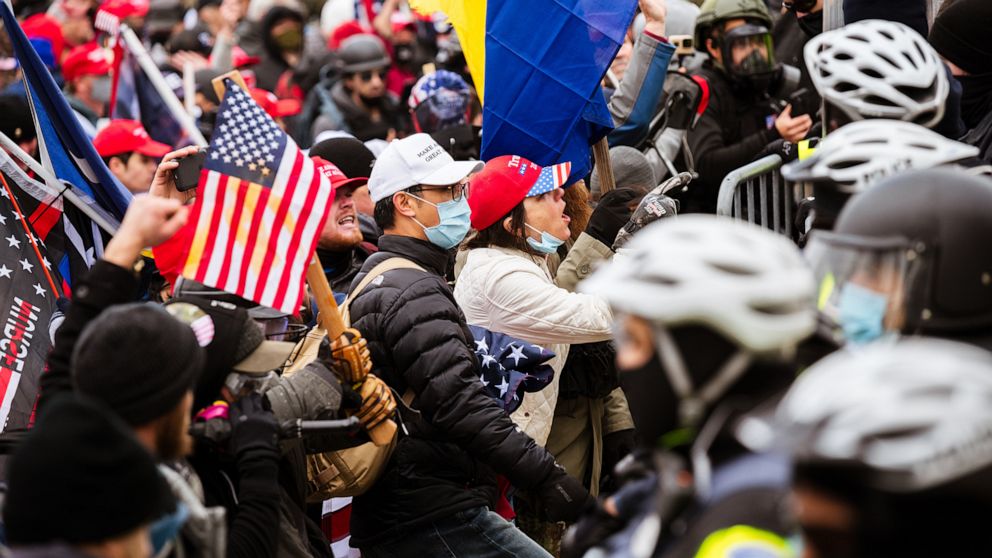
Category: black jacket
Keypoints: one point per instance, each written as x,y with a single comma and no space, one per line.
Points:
419,340
251,518
734,128
342,267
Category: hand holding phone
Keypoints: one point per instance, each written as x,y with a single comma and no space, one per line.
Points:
187,174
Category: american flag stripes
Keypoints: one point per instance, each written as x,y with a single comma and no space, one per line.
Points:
260,207
551,178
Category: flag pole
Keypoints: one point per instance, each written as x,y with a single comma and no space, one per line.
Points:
604,167
27,231
329,316
58,189
133,44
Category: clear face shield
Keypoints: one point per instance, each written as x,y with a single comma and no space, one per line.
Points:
866,285
748,51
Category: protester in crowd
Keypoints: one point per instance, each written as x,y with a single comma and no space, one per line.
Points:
340,247
441,105
958,34
800,21
130,153
355,160
740,74
401,32
76,17
506,286
433,495
631,169
282,32
18,125
87,82
698,346
359,103
640,86
884,446
144,364
47,28
881,272
80,486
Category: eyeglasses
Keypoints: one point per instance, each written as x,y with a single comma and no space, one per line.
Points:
458,191
366,76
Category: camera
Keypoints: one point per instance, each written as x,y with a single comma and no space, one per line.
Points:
684,45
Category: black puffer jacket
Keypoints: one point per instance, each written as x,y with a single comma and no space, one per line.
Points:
419,341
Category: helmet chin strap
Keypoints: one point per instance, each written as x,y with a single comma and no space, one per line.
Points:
693,402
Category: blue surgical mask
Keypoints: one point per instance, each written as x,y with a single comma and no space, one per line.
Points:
454,222
548,244
166,528
862,314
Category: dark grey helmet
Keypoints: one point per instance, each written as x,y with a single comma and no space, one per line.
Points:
361,53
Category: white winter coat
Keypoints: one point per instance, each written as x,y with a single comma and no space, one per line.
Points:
511,292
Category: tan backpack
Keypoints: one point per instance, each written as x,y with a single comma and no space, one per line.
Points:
352,471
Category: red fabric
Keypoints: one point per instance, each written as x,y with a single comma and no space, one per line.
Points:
41,26
171,254
654,36
503,506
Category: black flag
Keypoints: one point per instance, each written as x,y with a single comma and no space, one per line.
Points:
27,303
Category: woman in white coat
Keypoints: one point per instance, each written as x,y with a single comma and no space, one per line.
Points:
505,285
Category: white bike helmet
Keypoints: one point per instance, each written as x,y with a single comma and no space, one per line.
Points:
907,416
747,283
879,69
858,155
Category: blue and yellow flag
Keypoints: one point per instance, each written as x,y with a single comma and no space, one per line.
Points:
544,61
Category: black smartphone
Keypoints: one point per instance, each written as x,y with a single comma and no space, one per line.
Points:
187,174
803,102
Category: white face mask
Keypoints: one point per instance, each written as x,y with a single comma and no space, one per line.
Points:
548,245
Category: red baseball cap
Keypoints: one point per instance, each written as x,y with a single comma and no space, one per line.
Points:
505,182
85,60
41,26
122,136
122,9
334,174
274,106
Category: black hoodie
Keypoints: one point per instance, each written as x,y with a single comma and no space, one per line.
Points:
273,63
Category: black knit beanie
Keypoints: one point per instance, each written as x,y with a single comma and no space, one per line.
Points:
961,35
81,477
138,360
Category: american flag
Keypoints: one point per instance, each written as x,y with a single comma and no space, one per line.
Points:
260,206
510,367
551,177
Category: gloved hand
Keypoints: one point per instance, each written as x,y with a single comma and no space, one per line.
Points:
313,393
655,205
616,446
254,430
352,359
611,214
378,403
562,498
594,527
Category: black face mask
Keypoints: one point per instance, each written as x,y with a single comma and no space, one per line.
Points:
404,54
653,404
811,24
976,98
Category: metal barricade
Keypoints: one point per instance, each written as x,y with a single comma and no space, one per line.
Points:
758,194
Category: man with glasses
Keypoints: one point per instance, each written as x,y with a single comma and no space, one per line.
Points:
435,494
359,102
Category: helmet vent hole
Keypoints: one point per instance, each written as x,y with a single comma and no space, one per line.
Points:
732,269
887,59
872,73
777,309
843,56
846,164
879,101
845,87
918,94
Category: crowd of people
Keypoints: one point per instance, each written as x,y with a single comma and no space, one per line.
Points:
576,365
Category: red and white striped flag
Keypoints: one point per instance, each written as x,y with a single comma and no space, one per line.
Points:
259,209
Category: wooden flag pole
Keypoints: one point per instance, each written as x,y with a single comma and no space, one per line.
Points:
329,316
604,168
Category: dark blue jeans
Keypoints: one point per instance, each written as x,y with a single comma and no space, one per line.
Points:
475,533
